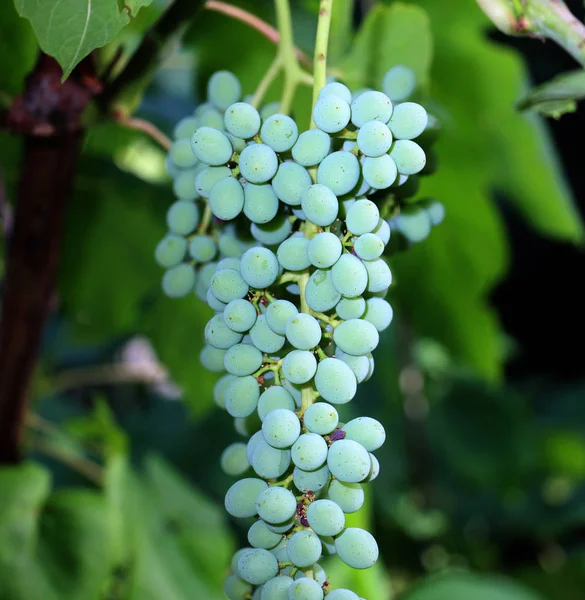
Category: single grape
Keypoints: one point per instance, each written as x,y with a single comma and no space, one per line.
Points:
349,275
335,381
211,146
269,109
374,470
293,253
369,246
325,517
259,536
228,285
185,128
291,182
382,231
360,365
171,250
178,281
223,89
311,147
379,173
379,313
309,452
264,338
240,500
212,358
371,106
408,156
366,431
356,337
278,314
240,315
242,359
281,428
408,121
303,331
362,217
269,462
202,248
279,132
259,267
434,209
274,397
313,481
324,250
241,396
414,223
320,205
349,496
340,172
226,199
351,308
182,217
276,588
357,548
219,389
305,589
342,594
235,588
274,232
399,83
233,459
283,527
258,163
211,117
276,505
379,275
208,177
336,89
304,548
299,366
331,113
181,154
348,461
242,120
321,418
252,444
320,292
257,566
260,202
374,138
184,184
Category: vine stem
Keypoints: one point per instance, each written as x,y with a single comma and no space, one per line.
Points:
146,127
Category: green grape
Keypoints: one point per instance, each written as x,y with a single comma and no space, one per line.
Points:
321,418
171,250
434,209
185,128
208,177
240,500
211,146
212,359
303,331
331,114
369,246
219,335
171,168
277,588
236,557
349,496
360,365
242,359
320,205
269,462
309,452
348,461
241,426
379,173
311,147
349,275
408,121
382,231
264,338
178,281
233,459
399,83
312,481
257,566
291,182
366,431
238,143
371,106
324,250
241,396
379,275
362,217
304,548
269,109
223,89
356,337
229,244
293,253
181,154
408,156
335,381
257,595
320,292
318,573
258,163
211,117
276,505
342,594
281,428
252,444
219,389
374,470
280,550
374,138
272,233
278,314
242,120
299,366
202,248
228,285
414,223
274,397
259,267
184,184
379,313
282,527
259,536
325,517
226,199
340,172
182,217
260,203
294,390
235,588
205,274
305,589
279,132
240,315
229,262
351,308
213,303
336,89
357,548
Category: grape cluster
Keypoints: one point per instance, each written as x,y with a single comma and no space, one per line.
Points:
293,269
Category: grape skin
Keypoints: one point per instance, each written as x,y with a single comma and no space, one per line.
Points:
348,461
304,549
320,292
351,308
374,139
260,203
408,156
202,248
369,246
291,182
240,499
242,120
240,315
257,566
272,398
311,147
324,250
272,233
264,338
226,198
311,480
349,496
321,418
278,314
408,121
362,217
331,114
357,548
211,146
241,396
236,588
335,88
182,217
276,588
171,250
299,366
259,536
281,428
342,594
379,275
212,359
181,154
276,505
335,381
233,459
309,452
242,359
303,331
356,337
399,82
379,313
305,589
228,285
379,173
259,267
366,431
349,275
258,163
178,281
208,177
325,517
279,132
293,253
223,89
320,205
371,106
269,462
340,172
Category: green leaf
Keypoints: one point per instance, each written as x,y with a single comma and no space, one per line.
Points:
558,96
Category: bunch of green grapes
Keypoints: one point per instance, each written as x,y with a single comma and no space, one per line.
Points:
299,308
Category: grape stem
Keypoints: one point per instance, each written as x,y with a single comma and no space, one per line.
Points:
146,127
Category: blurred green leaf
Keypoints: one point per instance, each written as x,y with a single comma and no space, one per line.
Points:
558,96
340,36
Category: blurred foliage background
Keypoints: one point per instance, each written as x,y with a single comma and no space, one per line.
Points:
480,382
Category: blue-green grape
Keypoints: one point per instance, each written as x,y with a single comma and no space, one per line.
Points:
240,500
293,253
228,285
360,365
320,205
304,548
382,231
171,168
276,505
185,128
309,452
206,273
184,184
312,481
280,550
178,281
281,428
211,146
171,250
379,313
226,198
371,106
408,121
349,275
305,589
324,250
269,109
278,314
379,173
241,396
291,182
369,246
236,588
348,461
282,527
242,120
335,381
211,117
303,331
399,83
274,397
182,217
264,338
379,275
277,588
374,470
233,459
408,156
252,444
356,337
242,426
365,431
320,292
238,143
280,132
342,594
374,138
351,308
435,210
202,248
240,315
258,163
223,89
349,496
230,245
229,262
357,548
219,335
259,536
219,389
208,177
212,359
325,517
414,223
242,359
257,566
259,267
269,462
236,557
335,88
331,114
311,147
318,573
362,217
299,366
257,595
260,203
321,418
340,172
181,154
272,233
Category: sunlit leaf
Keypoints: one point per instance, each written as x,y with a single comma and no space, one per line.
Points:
558,96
